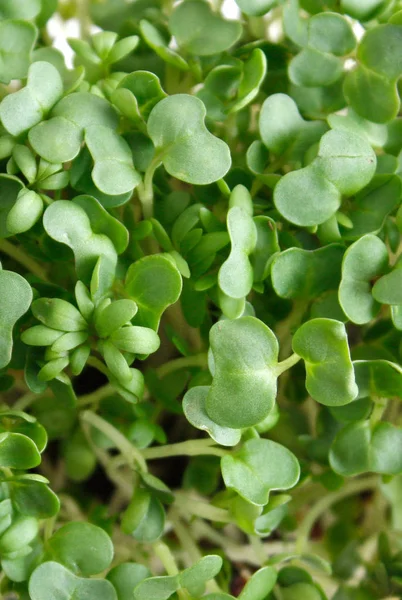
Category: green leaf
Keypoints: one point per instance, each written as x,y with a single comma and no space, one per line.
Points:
194,408
303,590
17,451
136,340
58,314
245,354
298,273
154,283
235,276
144,518
280,122
358,449
33,498
256,8
69,224
102,222
364,260
17,39
114,316
323,345
261,583
387,289
51,580
85,110
186,148
200,31
195,577
332,33
15,299
157,588
146,90
346,160
26,211
154,38
57,140
125,577
380,378
259,467
22,9
20,534
296,193
311,68
27,107
69,545
113,171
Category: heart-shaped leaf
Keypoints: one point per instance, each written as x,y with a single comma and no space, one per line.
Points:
323,345
69,224
245,354
69,545
364,260
358,449
103,222
51,580
85,110
15,299
194,408
259,467
200,31
298,273
186,148
154,283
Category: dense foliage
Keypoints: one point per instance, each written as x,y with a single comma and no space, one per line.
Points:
201,301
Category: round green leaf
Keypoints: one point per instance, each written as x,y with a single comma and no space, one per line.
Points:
57,140
256,8
70,544
33,498
17,451
200,31
261,583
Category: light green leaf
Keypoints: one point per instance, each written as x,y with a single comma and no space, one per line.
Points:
17,39
194,408
323,345
15,299
259,467
186,148
245,353
200,31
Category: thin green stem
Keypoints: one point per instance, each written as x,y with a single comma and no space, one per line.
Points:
131,453
380,404
196,360
96,396
189,505
166,557
258,548
145,189
189,448
351,489
84,18
286,364
97,364
24,259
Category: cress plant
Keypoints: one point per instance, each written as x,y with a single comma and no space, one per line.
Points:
201,301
